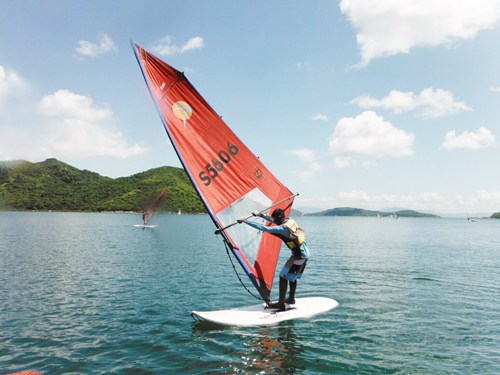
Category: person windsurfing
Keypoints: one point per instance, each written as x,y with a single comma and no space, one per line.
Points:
294,238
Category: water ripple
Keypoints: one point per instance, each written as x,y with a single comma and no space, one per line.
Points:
91,294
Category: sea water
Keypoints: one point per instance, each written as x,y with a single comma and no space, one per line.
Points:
86,293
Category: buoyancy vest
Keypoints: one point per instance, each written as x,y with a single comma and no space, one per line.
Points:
297,235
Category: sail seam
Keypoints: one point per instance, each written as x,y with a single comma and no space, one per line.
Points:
177,79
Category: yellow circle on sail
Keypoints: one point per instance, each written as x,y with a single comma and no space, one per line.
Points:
182,110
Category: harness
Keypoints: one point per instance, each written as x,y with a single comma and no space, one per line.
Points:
296,236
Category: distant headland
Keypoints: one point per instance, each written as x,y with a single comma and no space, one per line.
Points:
349,211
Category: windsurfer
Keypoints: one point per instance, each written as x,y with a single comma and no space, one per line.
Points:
294,237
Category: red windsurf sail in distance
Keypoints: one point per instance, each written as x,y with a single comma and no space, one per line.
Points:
229,178
151,209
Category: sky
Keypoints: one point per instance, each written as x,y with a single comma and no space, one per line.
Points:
375,104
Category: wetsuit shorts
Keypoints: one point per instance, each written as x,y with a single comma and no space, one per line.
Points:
293,268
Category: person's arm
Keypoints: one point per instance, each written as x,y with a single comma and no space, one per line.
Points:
275,229
265,217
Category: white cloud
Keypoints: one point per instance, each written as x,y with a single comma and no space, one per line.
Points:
71,127
79,139
368,135
81,130
166,47
369,164
344,161
495,89
11,84
319,117
104,45
70,106
389,27
470,140
490,198
8,82
432,103
354,196
439,103
396,101
308,157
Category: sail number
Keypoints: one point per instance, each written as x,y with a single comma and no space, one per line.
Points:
217,165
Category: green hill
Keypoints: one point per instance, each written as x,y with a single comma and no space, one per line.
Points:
54,185
346,211
349,211
496,215
410,213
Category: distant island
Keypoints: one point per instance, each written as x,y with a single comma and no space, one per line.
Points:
53,185
349,211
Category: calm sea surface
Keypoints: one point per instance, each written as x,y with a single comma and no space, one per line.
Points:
91,294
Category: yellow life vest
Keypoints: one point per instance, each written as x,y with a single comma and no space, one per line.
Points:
297,234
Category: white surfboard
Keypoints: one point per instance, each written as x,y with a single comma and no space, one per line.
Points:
145,226
258,315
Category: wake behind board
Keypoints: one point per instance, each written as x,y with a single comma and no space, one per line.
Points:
258,315
145,226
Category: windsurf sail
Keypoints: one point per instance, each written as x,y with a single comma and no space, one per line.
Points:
152,208
230,180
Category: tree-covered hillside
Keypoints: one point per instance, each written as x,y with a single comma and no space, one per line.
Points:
54,185
349,211
496,215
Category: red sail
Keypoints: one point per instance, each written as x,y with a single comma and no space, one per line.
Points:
152,208
228,177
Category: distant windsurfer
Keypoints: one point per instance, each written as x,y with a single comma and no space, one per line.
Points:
294,237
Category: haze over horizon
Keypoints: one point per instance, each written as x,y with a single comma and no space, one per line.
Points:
348,103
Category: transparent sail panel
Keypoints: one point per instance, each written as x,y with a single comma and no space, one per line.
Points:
246,237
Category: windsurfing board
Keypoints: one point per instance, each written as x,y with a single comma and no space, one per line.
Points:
259,315
145,226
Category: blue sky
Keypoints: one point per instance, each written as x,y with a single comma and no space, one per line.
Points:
361,103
